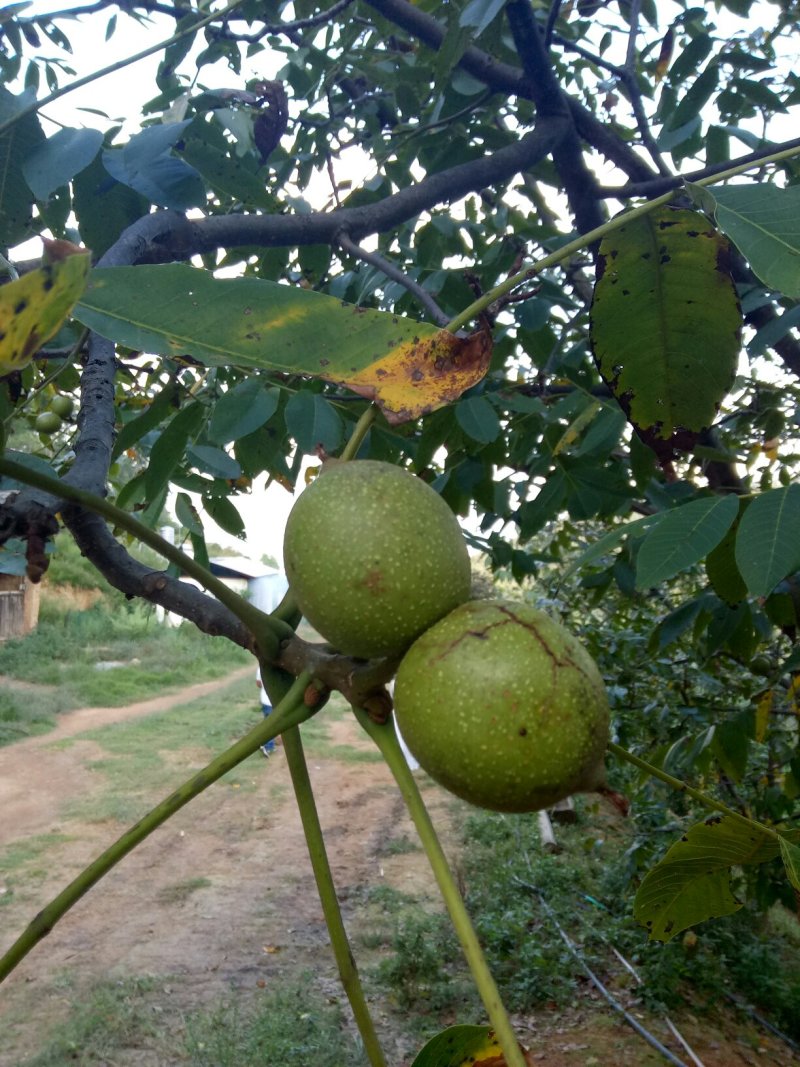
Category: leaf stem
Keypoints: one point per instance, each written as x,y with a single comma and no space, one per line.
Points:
37,105
359,433
586,239
289,712
682,787
348,972
257,621
385,738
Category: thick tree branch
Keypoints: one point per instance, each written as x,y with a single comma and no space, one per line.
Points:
579,183
503,78
444,187
657,186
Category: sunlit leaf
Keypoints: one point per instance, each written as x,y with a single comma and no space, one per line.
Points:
768,539
665,323
682,537
763,221
407,367
33,307
692,882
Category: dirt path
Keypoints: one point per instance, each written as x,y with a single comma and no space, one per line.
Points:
37,777
219,899
221,902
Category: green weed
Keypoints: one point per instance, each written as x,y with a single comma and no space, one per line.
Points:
292,1025
110,1017
181,891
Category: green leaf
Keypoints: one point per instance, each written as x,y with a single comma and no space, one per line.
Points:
229,174
167,451
241,410
768,541
149,419
104,207
606,543
146,165
665,321
692,882
187,514
459,1046
721,569
478,419
313,423
213,461
479,13
763,221
408,367
790,854
16,200
682,537
224,514
59,159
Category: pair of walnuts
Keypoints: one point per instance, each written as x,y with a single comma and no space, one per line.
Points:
498,703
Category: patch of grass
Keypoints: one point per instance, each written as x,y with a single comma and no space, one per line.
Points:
110,1018
24,713
23,864
181,891
292,1026
63,652
149,757
399,846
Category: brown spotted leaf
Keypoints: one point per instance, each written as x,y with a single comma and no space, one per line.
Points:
421,375
692,881
665,324
464,1046
407,367
33,308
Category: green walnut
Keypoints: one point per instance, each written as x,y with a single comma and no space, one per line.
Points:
48,422
62,405
503,707
374,557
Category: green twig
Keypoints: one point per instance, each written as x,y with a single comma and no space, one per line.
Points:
348,972
385,738
268,631
586,239
37,105
276,683
359,433
696,794
290,712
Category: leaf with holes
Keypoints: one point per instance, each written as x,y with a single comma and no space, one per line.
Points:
33,308
408,368
692,882
665,324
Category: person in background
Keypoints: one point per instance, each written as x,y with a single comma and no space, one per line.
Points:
268,748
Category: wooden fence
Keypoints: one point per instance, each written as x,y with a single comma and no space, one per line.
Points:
19,606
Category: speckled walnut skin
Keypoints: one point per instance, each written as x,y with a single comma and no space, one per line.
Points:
374,557
503,707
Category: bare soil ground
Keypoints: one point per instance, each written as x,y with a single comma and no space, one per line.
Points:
221,900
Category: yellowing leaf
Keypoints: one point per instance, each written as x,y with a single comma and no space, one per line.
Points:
33,308
408,367
421,375
763,711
